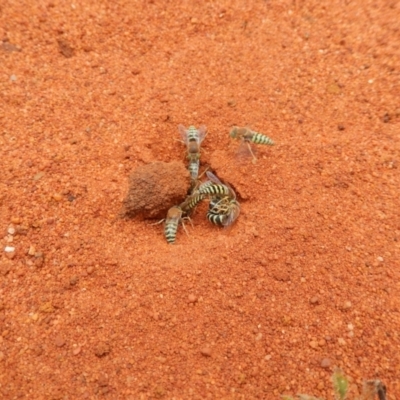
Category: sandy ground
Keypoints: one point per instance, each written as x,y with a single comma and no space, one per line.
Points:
94,306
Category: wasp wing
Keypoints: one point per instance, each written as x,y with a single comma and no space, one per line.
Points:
202,131
233,214
246,150
213,178
184,133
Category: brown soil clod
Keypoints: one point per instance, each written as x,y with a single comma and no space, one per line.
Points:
154,188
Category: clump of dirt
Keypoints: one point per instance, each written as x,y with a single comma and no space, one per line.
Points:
154,188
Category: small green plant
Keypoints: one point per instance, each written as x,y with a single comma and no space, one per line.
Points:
341,386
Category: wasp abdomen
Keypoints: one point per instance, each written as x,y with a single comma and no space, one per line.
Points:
259,138
194,168
171,223
216,219
215,190
170,231
191,202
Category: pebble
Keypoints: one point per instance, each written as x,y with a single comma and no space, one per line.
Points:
341,341
57,196
259,336
39,260
192,298
74,280
102,349
333,89
347,305
313,344
325,363
31,250
38,176
9,249
380,259
314,300
206,351
76,350
350,327
11,231
90,270
59,341
21,230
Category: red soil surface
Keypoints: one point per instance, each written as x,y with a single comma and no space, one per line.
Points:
94,306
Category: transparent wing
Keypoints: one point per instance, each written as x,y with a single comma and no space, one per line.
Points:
246,151
202,131
219,206
233,214
213,178
184,133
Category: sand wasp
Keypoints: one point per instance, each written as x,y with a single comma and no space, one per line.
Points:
248,136
175,215
223,211
193,137
214,187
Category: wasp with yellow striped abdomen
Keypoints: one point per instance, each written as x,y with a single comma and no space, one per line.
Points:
248,136
215,188
193,137
174,216
223,211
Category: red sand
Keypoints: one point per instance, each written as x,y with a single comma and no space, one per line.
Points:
308,278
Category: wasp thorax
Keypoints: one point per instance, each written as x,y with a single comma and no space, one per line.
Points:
237,133
174,212
233,133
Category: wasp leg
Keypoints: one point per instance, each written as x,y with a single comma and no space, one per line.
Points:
203,172
252,154
159,222
184,227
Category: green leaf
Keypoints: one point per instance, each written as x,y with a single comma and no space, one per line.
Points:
340,384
